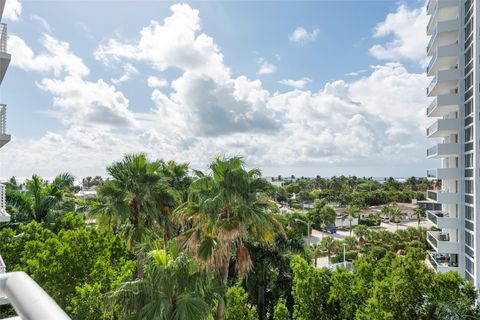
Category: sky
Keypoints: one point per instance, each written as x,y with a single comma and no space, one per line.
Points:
304,88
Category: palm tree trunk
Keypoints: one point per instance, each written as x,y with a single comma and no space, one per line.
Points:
350,221
261,302
221,304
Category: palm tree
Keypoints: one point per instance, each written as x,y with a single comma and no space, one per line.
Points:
316,248
42,198
396,215
350,214
130,199
350,242
173,288
224,208
418,213
329,245
361,232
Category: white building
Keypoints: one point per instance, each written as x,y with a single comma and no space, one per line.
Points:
454,68
4,137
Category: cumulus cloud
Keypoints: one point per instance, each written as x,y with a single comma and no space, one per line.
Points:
156,82
57,57
265,67
12,10
298,84
407,28
372,120
175,43
128,72
88,103
302,36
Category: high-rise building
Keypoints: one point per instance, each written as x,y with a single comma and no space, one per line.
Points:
4,137
455,70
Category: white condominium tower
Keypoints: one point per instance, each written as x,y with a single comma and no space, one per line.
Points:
4,137
454,89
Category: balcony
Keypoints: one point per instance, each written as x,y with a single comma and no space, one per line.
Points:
442,220
442,105
444,82
431,6
445,57
442,10
443,262
4,216
444,173
445,33
2,6
4,137
443,150
443,128
440,241
4,56
443,196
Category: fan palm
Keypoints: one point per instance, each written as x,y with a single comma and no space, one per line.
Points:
172,289
42,198
350,214
130,199
223,208
329,245
396,215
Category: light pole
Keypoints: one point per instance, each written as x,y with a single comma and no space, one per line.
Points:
344,261
308,230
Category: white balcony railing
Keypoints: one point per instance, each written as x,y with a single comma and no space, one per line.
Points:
3,268
3,119
3,37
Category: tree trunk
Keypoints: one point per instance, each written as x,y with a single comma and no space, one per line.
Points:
261,302
221,304
350,227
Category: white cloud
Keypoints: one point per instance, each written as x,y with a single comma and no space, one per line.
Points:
128,72
302,36
156,82
85,103
265,67
407,27
298,84
176,43
12,10
57,58
374,120
45,25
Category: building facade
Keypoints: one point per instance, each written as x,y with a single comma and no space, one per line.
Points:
454,89
4,137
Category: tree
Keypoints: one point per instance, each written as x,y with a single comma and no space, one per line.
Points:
350,242
223,208
322,215
281,312
360,231
350,214
329,245
396,215
173,288
237,305
41,198
418,213
130,198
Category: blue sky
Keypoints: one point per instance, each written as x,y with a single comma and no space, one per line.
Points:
306,88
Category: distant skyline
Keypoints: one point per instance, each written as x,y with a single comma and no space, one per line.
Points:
305,88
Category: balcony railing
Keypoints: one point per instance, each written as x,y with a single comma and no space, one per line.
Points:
432,195
432,150
439,260
3,268
432,39
3,37
3,119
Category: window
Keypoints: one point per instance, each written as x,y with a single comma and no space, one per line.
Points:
468,146
468,107
469,239
468,225
469,134
469,252
469,81
469,199
469,160
468,173
469,265
468,120
469,186
469,213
